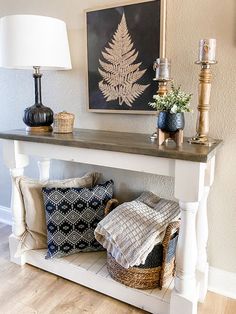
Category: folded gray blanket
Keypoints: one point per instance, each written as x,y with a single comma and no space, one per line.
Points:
132,229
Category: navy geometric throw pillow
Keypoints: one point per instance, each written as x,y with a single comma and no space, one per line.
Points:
72,214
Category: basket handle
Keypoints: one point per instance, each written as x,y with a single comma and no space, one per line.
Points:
170,230
111,204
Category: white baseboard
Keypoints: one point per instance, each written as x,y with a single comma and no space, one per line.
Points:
5,215
222,282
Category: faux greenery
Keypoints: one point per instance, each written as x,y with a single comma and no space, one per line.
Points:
174,101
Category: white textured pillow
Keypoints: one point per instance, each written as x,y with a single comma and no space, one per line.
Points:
35,235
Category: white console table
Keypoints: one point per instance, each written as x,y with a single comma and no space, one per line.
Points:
192,167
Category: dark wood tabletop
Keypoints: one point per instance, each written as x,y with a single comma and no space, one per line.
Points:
133,143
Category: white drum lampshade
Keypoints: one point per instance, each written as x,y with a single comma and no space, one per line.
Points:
34,42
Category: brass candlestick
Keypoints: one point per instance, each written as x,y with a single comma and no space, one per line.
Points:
162,86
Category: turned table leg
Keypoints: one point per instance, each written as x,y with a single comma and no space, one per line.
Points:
202,233
202,236
16,163
189,187
44,169
184,296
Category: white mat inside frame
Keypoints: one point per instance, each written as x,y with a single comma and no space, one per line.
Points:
89,269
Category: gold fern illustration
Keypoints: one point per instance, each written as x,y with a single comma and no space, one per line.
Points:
120,72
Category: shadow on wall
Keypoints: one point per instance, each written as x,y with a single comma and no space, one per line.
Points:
128,184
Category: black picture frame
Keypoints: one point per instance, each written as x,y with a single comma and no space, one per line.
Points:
122,44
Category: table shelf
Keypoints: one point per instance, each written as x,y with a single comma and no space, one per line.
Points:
90,270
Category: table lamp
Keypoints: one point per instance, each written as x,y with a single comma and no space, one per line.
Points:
34,42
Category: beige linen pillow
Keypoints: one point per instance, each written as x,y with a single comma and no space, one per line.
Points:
35,236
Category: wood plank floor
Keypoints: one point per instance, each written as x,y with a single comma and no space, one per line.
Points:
28,290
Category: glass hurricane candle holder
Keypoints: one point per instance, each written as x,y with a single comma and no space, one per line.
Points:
162,66
207,51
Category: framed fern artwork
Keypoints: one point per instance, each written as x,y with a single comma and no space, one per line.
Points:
122,44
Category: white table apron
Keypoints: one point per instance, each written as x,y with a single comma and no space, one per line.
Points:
192,181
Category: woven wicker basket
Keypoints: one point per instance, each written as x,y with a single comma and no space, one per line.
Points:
63,122
159,266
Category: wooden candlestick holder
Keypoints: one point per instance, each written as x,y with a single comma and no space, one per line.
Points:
204,91
177,137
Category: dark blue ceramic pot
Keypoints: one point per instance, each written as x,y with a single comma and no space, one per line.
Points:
170,122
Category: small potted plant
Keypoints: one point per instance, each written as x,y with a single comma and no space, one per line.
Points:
171,109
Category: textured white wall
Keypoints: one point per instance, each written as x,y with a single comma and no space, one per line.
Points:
188,21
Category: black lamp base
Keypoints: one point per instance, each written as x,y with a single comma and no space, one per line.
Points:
38,118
